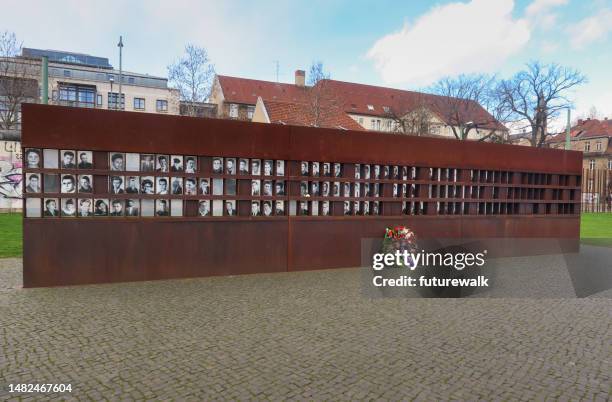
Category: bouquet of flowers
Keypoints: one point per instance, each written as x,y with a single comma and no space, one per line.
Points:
399,238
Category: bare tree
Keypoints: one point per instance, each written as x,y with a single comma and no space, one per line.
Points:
469,103
192,75
319,94
537,94
415,118
17,84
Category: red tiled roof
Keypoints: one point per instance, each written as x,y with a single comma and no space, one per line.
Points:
246,91
303,114
355,98
586,129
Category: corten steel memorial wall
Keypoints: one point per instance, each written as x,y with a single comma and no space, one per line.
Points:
118,196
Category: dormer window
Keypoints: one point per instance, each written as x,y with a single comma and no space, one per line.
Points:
386,109
370,107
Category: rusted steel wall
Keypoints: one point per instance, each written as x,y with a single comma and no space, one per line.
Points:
456,189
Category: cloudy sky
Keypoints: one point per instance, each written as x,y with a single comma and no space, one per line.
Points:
380,42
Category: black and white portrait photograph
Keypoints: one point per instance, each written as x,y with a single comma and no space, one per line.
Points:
116,185
230,208
204,208
303,208
85,160
191,187
117,161
255,211
230,165
326,169
366,190
395,172
255,167
162,208
267,188
204,186
147,163
85,208
279,207
366,172
356,210
385,173
255,187
374,189
68,207
279,187
32,183
376,172
85,183
365,208
217,187
404,173
346,189
357,171
243,166
336,189
280,168
314,188
132,207
325,189
230,186
162,164
304,168
347,207
176,185
375,208
337,170
404,190
68,183
315,169
304,189
161,185
100,207
268,167
68,159
51,207
395,192
357,190
176,163
325,208
132,184
217,165
32,158
191,164
147,186
267,208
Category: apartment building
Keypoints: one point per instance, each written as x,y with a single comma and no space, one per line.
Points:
591,136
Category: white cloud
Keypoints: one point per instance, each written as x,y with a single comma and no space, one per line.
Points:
455,38
539,7
591,29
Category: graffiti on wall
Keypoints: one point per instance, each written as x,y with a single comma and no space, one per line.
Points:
10,170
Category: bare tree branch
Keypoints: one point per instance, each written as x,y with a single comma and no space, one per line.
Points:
192,75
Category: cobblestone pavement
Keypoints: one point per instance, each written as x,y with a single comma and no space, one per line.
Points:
305,336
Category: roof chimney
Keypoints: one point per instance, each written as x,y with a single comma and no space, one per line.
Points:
300,78
580,121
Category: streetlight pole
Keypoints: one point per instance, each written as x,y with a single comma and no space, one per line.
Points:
120,46
567,131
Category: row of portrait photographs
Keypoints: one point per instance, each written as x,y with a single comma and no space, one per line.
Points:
68,159
316,169
69,183
323,208
131,162
88,207
248,166
384,172
344,189
228,208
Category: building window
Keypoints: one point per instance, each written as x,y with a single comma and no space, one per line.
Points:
587,146
373,124
99,100
76,95
67,73
131,80
161,105
386,109
378,125
250,111
598,145
139,103
233,110
610,164
360,121
113,101
592,164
